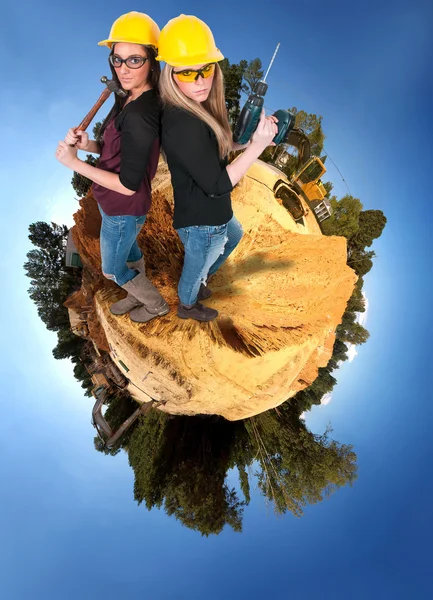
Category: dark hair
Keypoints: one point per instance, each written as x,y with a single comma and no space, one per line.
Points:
154,74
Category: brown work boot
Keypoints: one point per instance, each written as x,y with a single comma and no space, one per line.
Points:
197,311
204,292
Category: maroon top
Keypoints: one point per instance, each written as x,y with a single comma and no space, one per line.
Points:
130,147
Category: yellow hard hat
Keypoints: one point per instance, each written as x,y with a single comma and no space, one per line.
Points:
135,28
186,40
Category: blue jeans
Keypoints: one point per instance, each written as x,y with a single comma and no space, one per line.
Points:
119,245
206,248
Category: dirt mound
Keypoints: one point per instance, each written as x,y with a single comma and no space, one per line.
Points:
280,296
83,301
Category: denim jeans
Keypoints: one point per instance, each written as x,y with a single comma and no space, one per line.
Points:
119,245
206,249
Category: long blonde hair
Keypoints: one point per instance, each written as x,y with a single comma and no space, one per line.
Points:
212,111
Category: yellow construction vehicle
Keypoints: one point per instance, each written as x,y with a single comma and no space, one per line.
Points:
305,188
308,179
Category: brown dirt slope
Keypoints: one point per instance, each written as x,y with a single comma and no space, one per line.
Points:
280,297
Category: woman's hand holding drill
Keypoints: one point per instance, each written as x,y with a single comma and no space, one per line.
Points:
266,131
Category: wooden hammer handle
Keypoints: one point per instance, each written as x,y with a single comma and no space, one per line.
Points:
89,117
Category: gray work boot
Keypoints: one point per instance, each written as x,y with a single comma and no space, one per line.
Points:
204,292
145,292
197,311
127,304
143,314
139,265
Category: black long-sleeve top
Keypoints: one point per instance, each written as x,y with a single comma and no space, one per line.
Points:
131,148
199,177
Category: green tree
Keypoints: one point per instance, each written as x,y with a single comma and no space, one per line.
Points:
313,394
69,345
311,125
120,407
49,304
51,281
339,354
297,467
181,464
96,130
328,187
50,237
371,226
244,483
233,74
356,302
252,75
345,216
360,260
81,374
352,333
80,183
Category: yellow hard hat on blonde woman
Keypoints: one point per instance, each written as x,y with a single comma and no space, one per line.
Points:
134,28
186,40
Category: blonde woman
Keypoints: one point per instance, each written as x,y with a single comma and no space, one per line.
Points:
197,139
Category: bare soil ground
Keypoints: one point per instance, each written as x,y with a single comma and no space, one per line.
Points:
280,296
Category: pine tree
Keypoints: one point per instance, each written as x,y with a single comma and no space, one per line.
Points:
253,74
371,226
233,86
345,216
82,184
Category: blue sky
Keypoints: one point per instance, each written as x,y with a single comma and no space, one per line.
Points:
69,522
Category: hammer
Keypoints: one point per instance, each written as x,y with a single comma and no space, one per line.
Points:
111,86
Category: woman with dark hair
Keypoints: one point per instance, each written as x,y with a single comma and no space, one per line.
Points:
129,149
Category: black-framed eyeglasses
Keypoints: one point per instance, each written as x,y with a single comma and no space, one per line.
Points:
133,62
189,75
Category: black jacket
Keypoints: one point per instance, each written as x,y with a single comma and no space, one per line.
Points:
200,180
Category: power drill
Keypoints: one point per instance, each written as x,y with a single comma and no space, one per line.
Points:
252,110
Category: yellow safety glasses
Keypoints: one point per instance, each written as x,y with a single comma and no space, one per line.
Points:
190,75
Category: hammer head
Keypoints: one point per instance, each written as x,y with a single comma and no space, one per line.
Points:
113,87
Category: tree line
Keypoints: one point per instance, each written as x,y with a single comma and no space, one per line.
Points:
360,228
51,282
181,464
